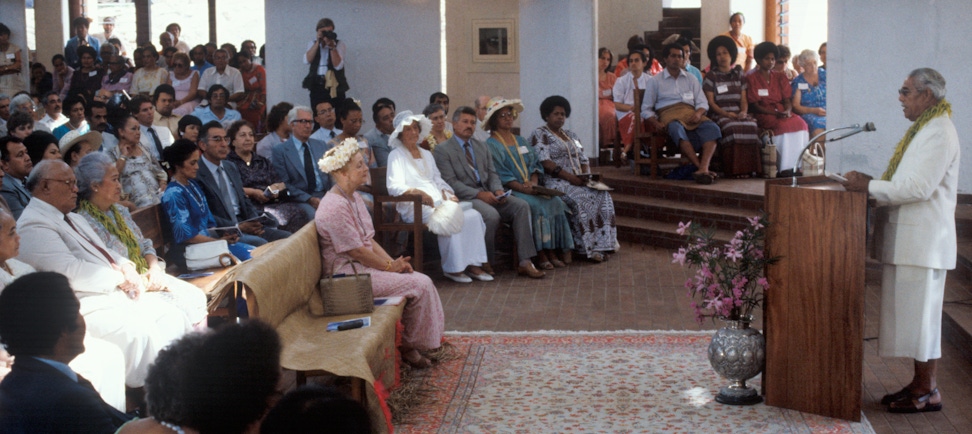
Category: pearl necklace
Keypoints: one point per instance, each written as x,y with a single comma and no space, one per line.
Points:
178,429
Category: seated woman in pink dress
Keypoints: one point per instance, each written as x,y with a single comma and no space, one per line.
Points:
185,81
346,233
769,95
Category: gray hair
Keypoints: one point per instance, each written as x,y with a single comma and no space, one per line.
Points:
462,110
91,170
927,78
39,172
292,114
18,100
806,56
478,103
4,96
432,108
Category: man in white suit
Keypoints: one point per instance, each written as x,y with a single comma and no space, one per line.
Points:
106,283
919,192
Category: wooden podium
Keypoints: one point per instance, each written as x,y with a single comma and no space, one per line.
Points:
814,308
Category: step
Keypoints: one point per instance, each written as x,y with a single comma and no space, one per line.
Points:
673,212
658,234
963,220
957,314
743,194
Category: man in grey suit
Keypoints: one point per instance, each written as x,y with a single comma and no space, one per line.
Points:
295,161
223,187
16,165
466,165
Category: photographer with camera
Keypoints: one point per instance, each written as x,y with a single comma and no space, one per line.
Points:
325,59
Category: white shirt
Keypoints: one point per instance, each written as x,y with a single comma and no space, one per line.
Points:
148,143
47,123
480,134
231,79
322,67
624,90
325,135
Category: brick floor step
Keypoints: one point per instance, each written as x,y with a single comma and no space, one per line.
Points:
957,314
657,234
733,193
963,220
672,211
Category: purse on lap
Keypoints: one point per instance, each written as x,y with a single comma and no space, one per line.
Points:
346,294
212,254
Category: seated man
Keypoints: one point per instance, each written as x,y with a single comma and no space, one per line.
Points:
54,116
325,118
674,102
112,294
223,187
383,113
466,165
164,100
152,137
16,165
41,325
624,99
295,162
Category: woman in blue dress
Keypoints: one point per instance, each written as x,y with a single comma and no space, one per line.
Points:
185,205
519,169
810,93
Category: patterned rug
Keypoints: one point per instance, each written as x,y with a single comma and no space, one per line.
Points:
591,382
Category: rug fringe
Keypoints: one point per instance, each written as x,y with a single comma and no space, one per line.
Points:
414,390
582,333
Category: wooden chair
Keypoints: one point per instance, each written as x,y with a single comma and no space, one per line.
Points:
651,142
149,220
379,189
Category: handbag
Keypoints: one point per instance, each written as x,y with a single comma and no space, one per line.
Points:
769,155
347,294
813,160
212,254
447,219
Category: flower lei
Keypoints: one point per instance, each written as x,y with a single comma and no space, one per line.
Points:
942,108
338,156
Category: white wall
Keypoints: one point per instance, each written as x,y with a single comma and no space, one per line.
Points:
393,49
547,71
618,20
870,53
808,25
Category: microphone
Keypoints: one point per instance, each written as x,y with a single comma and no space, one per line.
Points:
857,128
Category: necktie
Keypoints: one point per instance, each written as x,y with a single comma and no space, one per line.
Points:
100,250
309,170
158,143
332,134
469,159
224,192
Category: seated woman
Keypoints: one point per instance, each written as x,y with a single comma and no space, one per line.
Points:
624,99
261,184
519,169
278,129
559,150
346,233
254,102
20,124
412,170
770,102
99,192
74,146
185,81
42,145
439,133
810,93
86,80
189,127
149,75
725,89
102,363
118,78
186,208
606,121
783,63
74,110
142,178
217,110
350,115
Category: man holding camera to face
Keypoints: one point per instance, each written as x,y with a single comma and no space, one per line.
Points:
325,59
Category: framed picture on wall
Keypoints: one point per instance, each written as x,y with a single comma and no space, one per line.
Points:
494,41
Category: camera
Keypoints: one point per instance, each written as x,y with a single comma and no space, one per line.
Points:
328,34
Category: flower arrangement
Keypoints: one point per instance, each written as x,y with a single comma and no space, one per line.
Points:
336,157
729,280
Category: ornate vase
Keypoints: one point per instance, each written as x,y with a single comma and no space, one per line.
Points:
737,353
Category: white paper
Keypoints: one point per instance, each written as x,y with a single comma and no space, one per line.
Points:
524,150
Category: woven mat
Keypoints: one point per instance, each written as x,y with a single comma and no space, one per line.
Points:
587,382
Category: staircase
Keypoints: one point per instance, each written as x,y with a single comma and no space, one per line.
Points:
677,21
957,311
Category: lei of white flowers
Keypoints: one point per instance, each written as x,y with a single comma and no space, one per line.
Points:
338,156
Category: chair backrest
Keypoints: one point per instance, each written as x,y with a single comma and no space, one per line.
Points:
639,125
149,221
379,181
285,278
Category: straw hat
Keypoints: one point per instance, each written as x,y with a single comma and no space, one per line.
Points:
496,104
404,118
74,137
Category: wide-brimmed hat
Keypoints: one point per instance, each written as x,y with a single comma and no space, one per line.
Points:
74,137
496,104
108,20
407,118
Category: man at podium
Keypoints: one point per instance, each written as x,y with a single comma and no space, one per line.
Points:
918,245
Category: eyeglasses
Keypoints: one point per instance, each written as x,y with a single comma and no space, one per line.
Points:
53,101
68,182
330,110
218,139
904,91
509,114
178,65
303,121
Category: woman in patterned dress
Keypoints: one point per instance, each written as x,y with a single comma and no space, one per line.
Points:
810,93
150,75
592,222
725,88
142,178
345,232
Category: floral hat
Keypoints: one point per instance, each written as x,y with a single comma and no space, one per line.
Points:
74,137
338,156
494,105
404,118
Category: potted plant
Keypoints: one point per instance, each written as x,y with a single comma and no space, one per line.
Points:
728,284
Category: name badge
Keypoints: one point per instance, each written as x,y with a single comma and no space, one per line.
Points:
252,80
11,56
123,80
524,150
763,92
722,88
606,93
578,144
688,96
803,86
92,73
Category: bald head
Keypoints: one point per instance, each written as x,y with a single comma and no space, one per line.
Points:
53,181
481,106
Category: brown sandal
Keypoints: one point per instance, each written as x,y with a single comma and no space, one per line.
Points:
416,360
916,404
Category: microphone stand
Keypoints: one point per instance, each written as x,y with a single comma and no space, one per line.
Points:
856,127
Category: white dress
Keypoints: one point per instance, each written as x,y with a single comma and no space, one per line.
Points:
458,251
101,362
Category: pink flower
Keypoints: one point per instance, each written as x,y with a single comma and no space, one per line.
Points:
733,255
679,257
755,222
763,282
683,227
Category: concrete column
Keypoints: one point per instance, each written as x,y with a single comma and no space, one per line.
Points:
50,26
14,17
558,56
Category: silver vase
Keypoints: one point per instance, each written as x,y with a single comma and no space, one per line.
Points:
737,353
